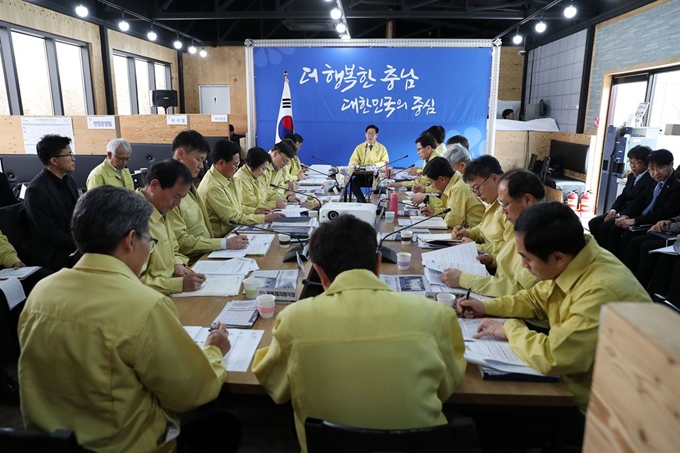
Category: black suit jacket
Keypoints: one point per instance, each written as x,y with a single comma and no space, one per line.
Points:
7,197
49,219
667,204
633,192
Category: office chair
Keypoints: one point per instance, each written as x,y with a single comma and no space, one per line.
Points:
14,225
659,299
327,437
60,441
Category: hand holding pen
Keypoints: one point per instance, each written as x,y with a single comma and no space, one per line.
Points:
469,308
219,336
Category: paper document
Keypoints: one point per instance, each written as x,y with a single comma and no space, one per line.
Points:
258,245
462,257
14,292
292,212
216,286
20,273
493,353
243,345
238,313
442,288
321,168
279,283
446,237
665,250
469,328
433,223
236,266
414,284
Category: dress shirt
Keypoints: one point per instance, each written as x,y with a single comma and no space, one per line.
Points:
223,200
363,355
465,206
191,224
510,277
365,155
493,231
571,303
105,175
159,269
8,255
106,357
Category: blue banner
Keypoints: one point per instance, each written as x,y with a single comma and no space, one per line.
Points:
337,91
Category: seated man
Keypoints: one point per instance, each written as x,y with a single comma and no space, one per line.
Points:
49,203
508,114
660,202
637,185
465,206
251,181
458,157
113,171
296,170
426,147
517,190
105,356
222,195
167,182
638,257
483,175
189,220
273,180
577,279
361,354
366,154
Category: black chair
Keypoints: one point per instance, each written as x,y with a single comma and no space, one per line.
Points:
14,225
326,437
60,441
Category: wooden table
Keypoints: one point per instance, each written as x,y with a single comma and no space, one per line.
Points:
201,311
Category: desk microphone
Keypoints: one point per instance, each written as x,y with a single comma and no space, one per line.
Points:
299,193
377,184
377,170
325,162
309,282
389,255
291,255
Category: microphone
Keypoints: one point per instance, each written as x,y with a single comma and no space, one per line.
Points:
377,184
386,164
309,282
299,193
291,255
389,255
319,172
321,160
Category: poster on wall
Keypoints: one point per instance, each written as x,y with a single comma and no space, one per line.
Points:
34,128
337,91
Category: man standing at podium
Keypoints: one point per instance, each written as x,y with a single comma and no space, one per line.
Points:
366,154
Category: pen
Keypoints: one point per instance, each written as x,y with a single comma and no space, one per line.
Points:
467,296
190,269
213,327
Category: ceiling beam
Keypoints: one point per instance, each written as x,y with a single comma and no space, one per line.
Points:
323,15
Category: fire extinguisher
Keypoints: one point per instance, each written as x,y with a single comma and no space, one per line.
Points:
572,200
586,199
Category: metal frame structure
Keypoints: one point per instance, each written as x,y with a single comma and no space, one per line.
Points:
440,43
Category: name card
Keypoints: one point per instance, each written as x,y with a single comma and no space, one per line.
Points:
177,120
219,118
101,122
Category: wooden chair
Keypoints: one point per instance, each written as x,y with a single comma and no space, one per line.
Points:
327,437
60,441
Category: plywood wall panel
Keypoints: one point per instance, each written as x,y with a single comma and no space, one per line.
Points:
12,137
148,129
511,149
204,125
92,141
510,74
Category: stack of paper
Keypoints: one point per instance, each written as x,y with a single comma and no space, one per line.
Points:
243,345
236,266
20,273
216,286
258,245
238,313
281,283
414,284
433,223
462,257
665,250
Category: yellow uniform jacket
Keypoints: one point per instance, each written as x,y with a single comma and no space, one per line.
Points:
105,175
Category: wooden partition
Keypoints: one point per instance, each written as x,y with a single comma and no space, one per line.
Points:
634,401
133,128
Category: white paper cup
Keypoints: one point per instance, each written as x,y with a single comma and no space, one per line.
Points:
284,241
266,304
250,287
389,216
313,214
403,261
406,236
446,298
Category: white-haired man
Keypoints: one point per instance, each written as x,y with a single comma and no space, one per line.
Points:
113,171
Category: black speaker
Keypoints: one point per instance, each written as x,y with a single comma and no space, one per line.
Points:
164,98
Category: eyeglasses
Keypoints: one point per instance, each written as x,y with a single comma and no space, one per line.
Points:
152,241
371,134
418,149
656,168
71,155
505,205
123,159
477,187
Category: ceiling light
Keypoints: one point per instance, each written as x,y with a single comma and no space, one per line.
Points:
81,11
192,48
123,25
177,43
152,35
570,11
341,28
540,27
344,36
203,53
336,13
517,39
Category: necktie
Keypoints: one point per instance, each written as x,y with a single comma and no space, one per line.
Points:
657,189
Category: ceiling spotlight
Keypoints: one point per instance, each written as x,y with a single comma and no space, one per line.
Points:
81,11
344,36
517,39
192,49
152,35
336,13
341,28
540,27
123,25
203,53
177,43
570,11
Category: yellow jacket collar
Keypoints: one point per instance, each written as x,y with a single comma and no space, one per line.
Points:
219,177
155,214
104,263
356,279
572,273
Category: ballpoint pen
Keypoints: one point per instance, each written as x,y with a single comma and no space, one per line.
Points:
190,269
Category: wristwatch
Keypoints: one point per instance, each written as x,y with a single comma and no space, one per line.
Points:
427,200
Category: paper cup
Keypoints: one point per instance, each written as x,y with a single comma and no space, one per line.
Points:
403,261
446,298
266,304
313,214
406,236
250,287
284,241
389,216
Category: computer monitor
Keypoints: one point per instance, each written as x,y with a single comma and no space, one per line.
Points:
534,111
164,98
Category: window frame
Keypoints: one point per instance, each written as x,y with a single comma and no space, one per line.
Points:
132,77
11,75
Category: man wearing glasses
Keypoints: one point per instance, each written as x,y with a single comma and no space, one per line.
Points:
282,153
113,171
50,199
366,154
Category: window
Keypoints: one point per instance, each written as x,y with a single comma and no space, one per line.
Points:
43,74
135,78
665,107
